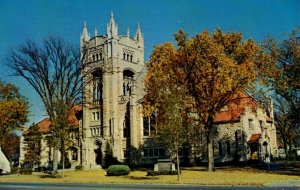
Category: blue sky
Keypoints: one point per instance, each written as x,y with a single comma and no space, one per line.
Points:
21,20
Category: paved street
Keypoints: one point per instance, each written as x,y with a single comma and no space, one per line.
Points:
79,186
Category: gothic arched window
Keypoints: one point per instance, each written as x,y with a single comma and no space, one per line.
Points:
97,86
127,82
126,127
74,153
149,124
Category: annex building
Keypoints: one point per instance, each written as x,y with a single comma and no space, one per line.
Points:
113,75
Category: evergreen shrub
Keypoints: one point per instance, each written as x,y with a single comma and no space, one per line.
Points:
79,167
118,170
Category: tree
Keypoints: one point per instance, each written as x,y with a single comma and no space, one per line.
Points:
166,99
286,54
11,148
66,120
33,137
13,111
286,126
171,132
53,69
109,159
211,70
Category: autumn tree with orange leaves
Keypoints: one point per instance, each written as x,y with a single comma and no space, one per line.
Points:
13,110
167,99
209,70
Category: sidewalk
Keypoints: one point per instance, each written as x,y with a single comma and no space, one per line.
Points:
294,183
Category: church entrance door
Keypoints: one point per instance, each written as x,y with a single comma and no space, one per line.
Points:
98,153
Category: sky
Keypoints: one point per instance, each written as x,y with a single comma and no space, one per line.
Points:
22,20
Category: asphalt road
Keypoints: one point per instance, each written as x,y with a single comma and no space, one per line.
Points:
92,186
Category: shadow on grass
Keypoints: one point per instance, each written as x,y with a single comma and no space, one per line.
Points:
49,176
282,168
141,178
202,169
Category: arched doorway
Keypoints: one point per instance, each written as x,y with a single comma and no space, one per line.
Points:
98,152
265,152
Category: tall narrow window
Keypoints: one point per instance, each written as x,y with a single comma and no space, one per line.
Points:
96,116
153,123
220,149
126,153
128,82
149,125
97,87
74,154
250,121
126,127
110,126
146,126
228,147
131,58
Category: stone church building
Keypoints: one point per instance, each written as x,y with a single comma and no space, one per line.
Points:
113,78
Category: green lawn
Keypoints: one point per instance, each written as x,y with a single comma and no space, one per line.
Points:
244,176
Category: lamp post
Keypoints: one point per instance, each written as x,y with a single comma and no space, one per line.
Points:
260,154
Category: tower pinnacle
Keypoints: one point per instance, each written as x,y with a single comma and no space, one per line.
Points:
128,32
112,27
96,32
84,37
138,36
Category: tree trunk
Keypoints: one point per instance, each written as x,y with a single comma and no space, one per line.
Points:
63,156
63,164
285,148
55,160
211,164
178,166
210,151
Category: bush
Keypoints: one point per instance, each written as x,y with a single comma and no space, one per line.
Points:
40,169
293,155
118,170
67,165
109,159
79,167
25,171
14,170
163,172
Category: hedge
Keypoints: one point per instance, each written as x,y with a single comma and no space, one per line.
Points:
118,170
79,168
25,171
163,172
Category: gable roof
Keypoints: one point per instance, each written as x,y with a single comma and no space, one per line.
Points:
235,108
45,124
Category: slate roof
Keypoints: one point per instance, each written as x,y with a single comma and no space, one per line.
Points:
45,124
